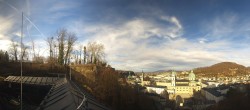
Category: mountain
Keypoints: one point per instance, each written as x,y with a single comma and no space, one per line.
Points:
248,68
222,69
159,71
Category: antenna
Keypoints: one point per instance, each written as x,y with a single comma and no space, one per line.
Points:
21,65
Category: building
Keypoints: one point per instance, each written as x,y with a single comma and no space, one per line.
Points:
143,82
156,89
212,94
183,86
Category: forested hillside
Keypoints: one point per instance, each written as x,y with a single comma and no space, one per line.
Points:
222,69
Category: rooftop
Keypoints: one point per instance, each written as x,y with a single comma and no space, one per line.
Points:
213,91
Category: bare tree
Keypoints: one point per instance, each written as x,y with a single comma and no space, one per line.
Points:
80,59
24,51
50,41
33,48
61,46
13,49
61,35
71,39
96,52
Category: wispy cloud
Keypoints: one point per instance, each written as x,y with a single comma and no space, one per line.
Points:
62,6
137,35
128,45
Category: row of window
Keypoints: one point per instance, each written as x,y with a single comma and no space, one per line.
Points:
182,87
181,90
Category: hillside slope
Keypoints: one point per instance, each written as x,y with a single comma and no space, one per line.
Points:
222,69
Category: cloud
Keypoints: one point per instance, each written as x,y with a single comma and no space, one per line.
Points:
143,35
4,44
221,26
6,26
142,43
172,20
62,6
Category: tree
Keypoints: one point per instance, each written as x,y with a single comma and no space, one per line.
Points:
50,43
147,78
80,59
71,39
165,95
61,47
34,54
61,35
24,51
84,55
1,56
96,52
13,49
6,56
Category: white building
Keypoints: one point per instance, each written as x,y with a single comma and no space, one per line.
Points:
157,89
181,86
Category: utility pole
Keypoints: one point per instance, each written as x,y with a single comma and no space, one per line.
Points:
21,102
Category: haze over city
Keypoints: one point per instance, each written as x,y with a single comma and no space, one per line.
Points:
138,34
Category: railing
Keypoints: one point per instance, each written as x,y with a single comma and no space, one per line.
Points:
84,105
84,100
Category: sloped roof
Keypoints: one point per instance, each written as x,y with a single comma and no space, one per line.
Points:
64,96
32,80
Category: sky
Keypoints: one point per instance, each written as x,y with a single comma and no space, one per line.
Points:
138,34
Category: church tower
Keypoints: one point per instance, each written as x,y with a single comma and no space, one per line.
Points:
142,78
173,77
191,78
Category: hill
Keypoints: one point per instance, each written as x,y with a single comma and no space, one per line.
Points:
248,68
222,69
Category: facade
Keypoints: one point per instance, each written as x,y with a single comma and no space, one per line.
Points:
157,89
182,86
177,86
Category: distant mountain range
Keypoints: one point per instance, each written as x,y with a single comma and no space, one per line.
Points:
222,69
219,69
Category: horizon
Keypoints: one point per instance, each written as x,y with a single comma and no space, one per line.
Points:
138,35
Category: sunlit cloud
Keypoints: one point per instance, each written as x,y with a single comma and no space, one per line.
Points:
128,46
140,36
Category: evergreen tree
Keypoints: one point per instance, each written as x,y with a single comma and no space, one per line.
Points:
6,55
1,56
61,40
84,55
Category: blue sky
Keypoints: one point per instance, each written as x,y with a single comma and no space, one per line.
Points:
139,34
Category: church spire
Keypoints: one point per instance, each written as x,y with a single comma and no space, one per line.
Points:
142,75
